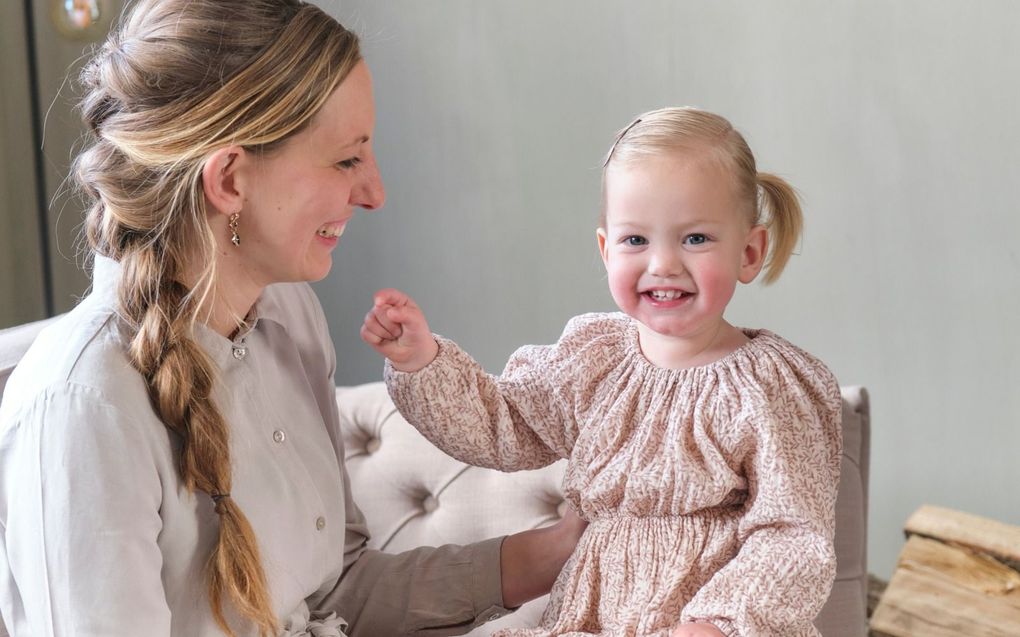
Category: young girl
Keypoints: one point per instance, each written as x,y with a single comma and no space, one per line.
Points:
705,456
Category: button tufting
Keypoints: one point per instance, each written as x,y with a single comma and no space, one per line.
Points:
279,435
372,445
562,508
430,504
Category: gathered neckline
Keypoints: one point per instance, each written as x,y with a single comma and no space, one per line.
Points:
632,345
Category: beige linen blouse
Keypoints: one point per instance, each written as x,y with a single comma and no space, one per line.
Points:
100,537
710,490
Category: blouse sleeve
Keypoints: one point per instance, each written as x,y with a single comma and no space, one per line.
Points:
779,580
428,591
82,496
521,419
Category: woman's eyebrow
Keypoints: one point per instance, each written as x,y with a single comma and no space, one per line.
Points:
357,142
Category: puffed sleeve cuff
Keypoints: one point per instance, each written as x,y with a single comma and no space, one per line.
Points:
447,348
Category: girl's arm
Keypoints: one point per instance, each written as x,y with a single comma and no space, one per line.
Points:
782,575
522,419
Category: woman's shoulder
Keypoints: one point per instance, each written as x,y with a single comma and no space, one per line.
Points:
77,369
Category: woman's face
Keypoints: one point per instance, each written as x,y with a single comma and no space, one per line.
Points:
300,197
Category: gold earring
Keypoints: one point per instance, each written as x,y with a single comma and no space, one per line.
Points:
234,237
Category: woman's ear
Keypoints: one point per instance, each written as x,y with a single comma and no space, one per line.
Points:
755,250
600,234
222,181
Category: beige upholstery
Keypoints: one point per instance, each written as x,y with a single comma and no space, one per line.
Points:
413,494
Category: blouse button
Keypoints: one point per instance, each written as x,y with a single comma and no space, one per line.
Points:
320,523
240,352
279,435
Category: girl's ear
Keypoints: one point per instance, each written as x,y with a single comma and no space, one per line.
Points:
755,250
600,235
222,180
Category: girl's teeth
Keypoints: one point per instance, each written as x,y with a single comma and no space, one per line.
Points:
666,295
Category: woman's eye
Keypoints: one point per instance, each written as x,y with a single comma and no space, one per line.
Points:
695,239
634,240
347,164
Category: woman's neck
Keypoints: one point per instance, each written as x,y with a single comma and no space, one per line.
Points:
682,352
230,300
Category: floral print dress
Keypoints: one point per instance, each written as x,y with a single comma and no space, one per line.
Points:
710,491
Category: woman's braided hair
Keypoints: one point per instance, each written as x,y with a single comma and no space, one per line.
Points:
175,81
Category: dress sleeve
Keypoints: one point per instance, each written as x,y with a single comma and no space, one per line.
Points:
521,419
82,493
781,576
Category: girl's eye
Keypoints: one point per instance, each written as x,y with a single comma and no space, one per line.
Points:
347,164
695,239
635,240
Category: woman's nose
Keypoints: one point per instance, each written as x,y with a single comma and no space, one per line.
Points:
369,192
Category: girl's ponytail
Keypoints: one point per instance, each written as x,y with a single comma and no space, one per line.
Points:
784,222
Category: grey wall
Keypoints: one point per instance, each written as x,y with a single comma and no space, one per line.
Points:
896,120
59,58
22,295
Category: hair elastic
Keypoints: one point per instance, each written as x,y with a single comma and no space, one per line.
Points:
217,499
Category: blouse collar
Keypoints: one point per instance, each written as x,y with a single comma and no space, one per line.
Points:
106,275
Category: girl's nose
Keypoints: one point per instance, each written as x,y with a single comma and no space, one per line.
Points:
665,264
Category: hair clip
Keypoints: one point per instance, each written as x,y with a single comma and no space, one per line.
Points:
619,138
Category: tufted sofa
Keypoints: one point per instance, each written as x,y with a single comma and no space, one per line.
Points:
413,494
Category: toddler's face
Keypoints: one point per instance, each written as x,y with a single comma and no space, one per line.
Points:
675,244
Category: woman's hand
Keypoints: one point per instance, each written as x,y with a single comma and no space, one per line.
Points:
531,561
700,629
396,328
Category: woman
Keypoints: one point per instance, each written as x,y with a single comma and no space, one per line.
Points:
170,462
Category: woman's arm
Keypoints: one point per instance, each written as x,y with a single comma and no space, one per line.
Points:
446,590
81,498
532,560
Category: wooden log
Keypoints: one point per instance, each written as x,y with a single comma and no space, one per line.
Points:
954,577
963,567
997,539
918,605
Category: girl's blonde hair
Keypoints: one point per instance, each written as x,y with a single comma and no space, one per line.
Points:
689,130
175,81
